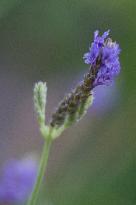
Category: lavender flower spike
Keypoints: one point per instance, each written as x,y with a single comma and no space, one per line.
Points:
17,180
108,54
103,58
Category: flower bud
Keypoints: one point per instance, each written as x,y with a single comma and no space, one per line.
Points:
40,92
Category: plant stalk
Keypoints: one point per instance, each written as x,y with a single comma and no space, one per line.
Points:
42,168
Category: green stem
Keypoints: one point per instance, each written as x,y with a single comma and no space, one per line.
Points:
42,168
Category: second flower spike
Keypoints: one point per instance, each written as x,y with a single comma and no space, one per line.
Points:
40,93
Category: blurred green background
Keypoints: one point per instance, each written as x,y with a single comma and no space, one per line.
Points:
94,161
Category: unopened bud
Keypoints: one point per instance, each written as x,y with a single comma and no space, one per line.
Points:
40,92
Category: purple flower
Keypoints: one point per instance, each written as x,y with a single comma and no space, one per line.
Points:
108,54
17,180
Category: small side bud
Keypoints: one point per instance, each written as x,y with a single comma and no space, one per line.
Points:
40,93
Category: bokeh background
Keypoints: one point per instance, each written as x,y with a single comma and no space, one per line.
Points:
94,161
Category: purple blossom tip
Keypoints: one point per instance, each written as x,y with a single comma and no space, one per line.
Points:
108,54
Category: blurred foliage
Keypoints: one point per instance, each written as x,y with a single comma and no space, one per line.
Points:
45,40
